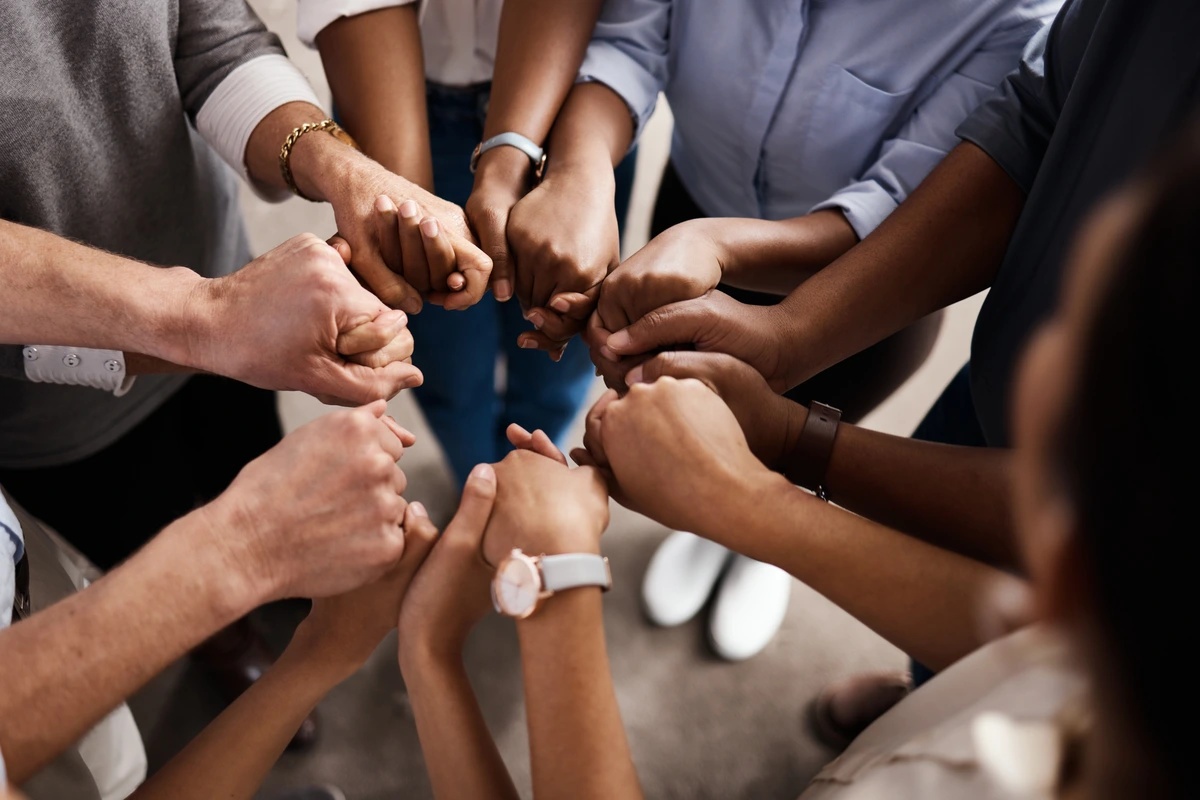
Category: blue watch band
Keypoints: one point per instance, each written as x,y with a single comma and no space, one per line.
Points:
510,139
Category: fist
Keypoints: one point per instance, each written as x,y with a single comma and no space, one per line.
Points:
320,513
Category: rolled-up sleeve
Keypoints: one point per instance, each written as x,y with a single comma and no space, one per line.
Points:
628,54
933,128
313,16
233,72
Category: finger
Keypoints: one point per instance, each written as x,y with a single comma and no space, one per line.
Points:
670,326
478,497
537,442
476,269
576,305
389,441
412,247
593,425
400,348
597,337
406,437
372,335
439,254
554,325
358,384
420,534
341,246
680,364
536,340
581,457
518,437
491,228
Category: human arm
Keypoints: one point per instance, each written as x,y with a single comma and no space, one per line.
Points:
315,516
233,754
566,228
540,46
294,318
957,498
921,597
460,754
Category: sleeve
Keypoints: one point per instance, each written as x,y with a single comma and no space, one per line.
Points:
233,72
628,54
313,16
1015,125
11,551
930,132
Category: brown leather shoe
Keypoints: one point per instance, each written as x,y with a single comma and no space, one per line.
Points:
845,708
235,658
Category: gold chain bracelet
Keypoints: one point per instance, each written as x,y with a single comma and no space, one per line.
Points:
285,152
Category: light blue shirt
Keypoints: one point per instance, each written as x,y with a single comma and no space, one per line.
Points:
783,107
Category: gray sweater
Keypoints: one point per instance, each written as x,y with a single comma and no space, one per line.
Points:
98,100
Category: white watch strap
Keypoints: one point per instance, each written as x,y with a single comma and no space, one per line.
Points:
572,570
510,139
77,366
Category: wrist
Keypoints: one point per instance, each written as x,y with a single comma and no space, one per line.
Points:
321,165
794,417
421,654
588,165
327,663
177,311
505,167
563,611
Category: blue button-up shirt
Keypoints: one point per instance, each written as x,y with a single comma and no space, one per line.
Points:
783,107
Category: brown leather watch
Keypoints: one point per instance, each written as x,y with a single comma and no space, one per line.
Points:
810,456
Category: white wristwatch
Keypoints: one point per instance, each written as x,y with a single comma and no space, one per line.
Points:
510,139
522,582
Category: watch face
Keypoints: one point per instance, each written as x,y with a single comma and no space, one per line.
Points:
517,586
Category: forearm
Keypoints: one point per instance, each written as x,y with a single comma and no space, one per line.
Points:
233,754
957,498
460,754
943,244
60,292
593,130
923,599
777,256
576,739
376,71
69,665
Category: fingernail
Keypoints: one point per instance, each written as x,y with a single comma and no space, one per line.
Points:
609,354
408,209
502,290
618,341
634,375
418,510
456,281
537,319
429,227
527,344
560,305
483,472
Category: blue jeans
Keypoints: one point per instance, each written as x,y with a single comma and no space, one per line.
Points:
951,420
458,351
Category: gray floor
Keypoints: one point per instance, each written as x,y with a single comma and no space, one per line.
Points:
699,728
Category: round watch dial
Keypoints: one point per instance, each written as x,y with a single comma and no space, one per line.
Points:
517,586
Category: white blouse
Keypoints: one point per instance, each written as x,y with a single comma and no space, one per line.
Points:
458,36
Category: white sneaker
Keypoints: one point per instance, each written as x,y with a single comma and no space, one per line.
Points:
681,576
750,608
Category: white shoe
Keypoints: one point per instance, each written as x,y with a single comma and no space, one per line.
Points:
750,608
681,576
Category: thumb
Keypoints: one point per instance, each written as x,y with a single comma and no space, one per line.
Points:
419,533
360,384
672,325
475,508
491,229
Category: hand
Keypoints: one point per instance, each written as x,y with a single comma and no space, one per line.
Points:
319,514
545,507
681,263
674,451
502,177
285,320
770,422
387,250
346,628
714,322
450,594
565,240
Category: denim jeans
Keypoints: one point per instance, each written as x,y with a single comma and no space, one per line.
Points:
459,351
951,420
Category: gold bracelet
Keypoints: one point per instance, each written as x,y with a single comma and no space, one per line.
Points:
285,153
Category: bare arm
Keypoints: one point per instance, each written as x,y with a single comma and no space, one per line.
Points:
576,738
376,70
116,635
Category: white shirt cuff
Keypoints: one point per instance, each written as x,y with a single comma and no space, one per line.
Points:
313,16
78,366
242,100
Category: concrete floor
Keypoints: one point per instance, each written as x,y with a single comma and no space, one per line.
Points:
699,728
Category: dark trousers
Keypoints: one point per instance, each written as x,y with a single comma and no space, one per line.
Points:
856,385
180,457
